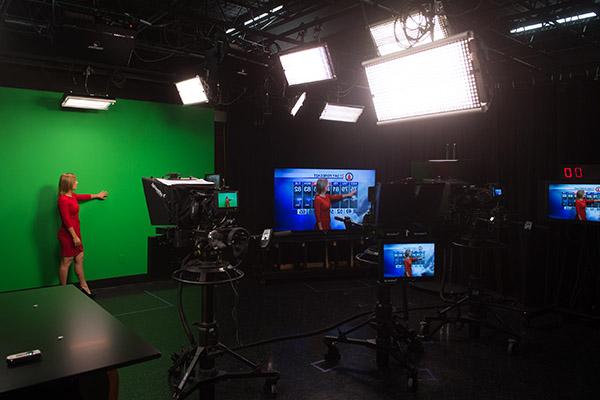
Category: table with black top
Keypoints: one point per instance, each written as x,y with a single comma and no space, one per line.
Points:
78,340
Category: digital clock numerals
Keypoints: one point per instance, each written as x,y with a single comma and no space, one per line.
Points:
572,172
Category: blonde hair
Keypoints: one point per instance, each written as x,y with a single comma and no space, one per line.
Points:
580,194
66,183
321,185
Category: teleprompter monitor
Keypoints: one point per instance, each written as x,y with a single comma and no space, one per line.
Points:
168,200
214,178
406,205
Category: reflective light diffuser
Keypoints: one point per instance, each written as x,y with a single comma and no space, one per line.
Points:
438,78
87,102
191,91
387,42
307,65
341,112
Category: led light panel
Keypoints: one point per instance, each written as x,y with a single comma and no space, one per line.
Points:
435,79
298,104
551,24
385,39
340,112
191,91
308,65
88,103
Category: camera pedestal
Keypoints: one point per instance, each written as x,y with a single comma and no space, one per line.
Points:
393,338
479,307
195,367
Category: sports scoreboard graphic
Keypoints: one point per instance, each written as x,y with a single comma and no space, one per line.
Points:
295,190
562,196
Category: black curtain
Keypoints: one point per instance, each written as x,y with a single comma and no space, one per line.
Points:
528,132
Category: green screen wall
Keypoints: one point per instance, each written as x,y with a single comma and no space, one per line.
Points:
107,150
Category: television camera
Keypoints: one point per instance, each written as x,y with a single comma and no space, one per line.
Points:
200,216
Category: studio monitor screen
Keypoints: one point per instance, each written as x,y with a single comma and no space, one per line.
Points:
295,190
574,201
227,200
411,260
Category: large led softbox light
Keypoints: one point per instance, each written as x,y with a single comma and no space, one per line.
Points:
395,35
307,65
440,78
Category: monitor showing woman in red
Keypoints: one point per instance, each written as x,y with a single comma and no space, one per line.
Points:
581,204
322,204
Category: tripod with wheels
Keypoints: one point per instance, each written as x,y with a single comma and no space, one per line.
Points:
194,368
477,301
393,338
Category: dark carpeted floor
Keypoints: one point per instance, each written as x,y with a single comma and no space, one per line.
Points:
557,359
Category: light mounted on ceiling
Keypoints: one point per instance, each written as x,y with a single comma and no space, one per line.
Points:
86,102
259,18
440,78
341,112
307,65
399,34
573,19
191,91
299,102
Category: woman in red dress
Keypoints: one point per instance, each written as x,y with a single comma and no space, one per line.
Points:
581,204
69,235
322,204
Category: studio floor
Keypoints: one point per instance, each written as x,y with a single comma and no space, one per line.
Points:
559,358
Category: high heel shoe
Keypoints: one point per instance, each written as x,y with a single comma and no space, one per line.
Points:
89,294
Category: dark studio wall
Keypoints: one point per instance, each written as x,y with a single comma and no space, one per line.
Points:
521,141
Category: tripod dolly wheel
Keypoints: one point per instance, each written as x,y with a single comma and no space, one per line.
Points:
270,388
412,382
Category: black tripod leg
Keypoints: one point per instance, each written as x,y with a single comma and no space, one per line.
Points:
442,317
356,327
237,356
455,305
188,371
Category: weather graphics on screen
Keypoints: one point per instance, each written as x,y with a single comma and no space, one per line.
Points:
408,260
295,190
562,196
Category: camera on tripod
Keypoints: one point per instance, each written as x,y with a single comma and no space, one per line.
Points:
201,219
195,214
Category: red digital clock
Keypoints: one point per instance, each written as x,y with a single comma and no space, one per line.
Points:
580,171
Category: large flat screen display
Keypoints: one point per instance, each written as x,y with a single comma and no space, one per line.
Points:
295,190
574,201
